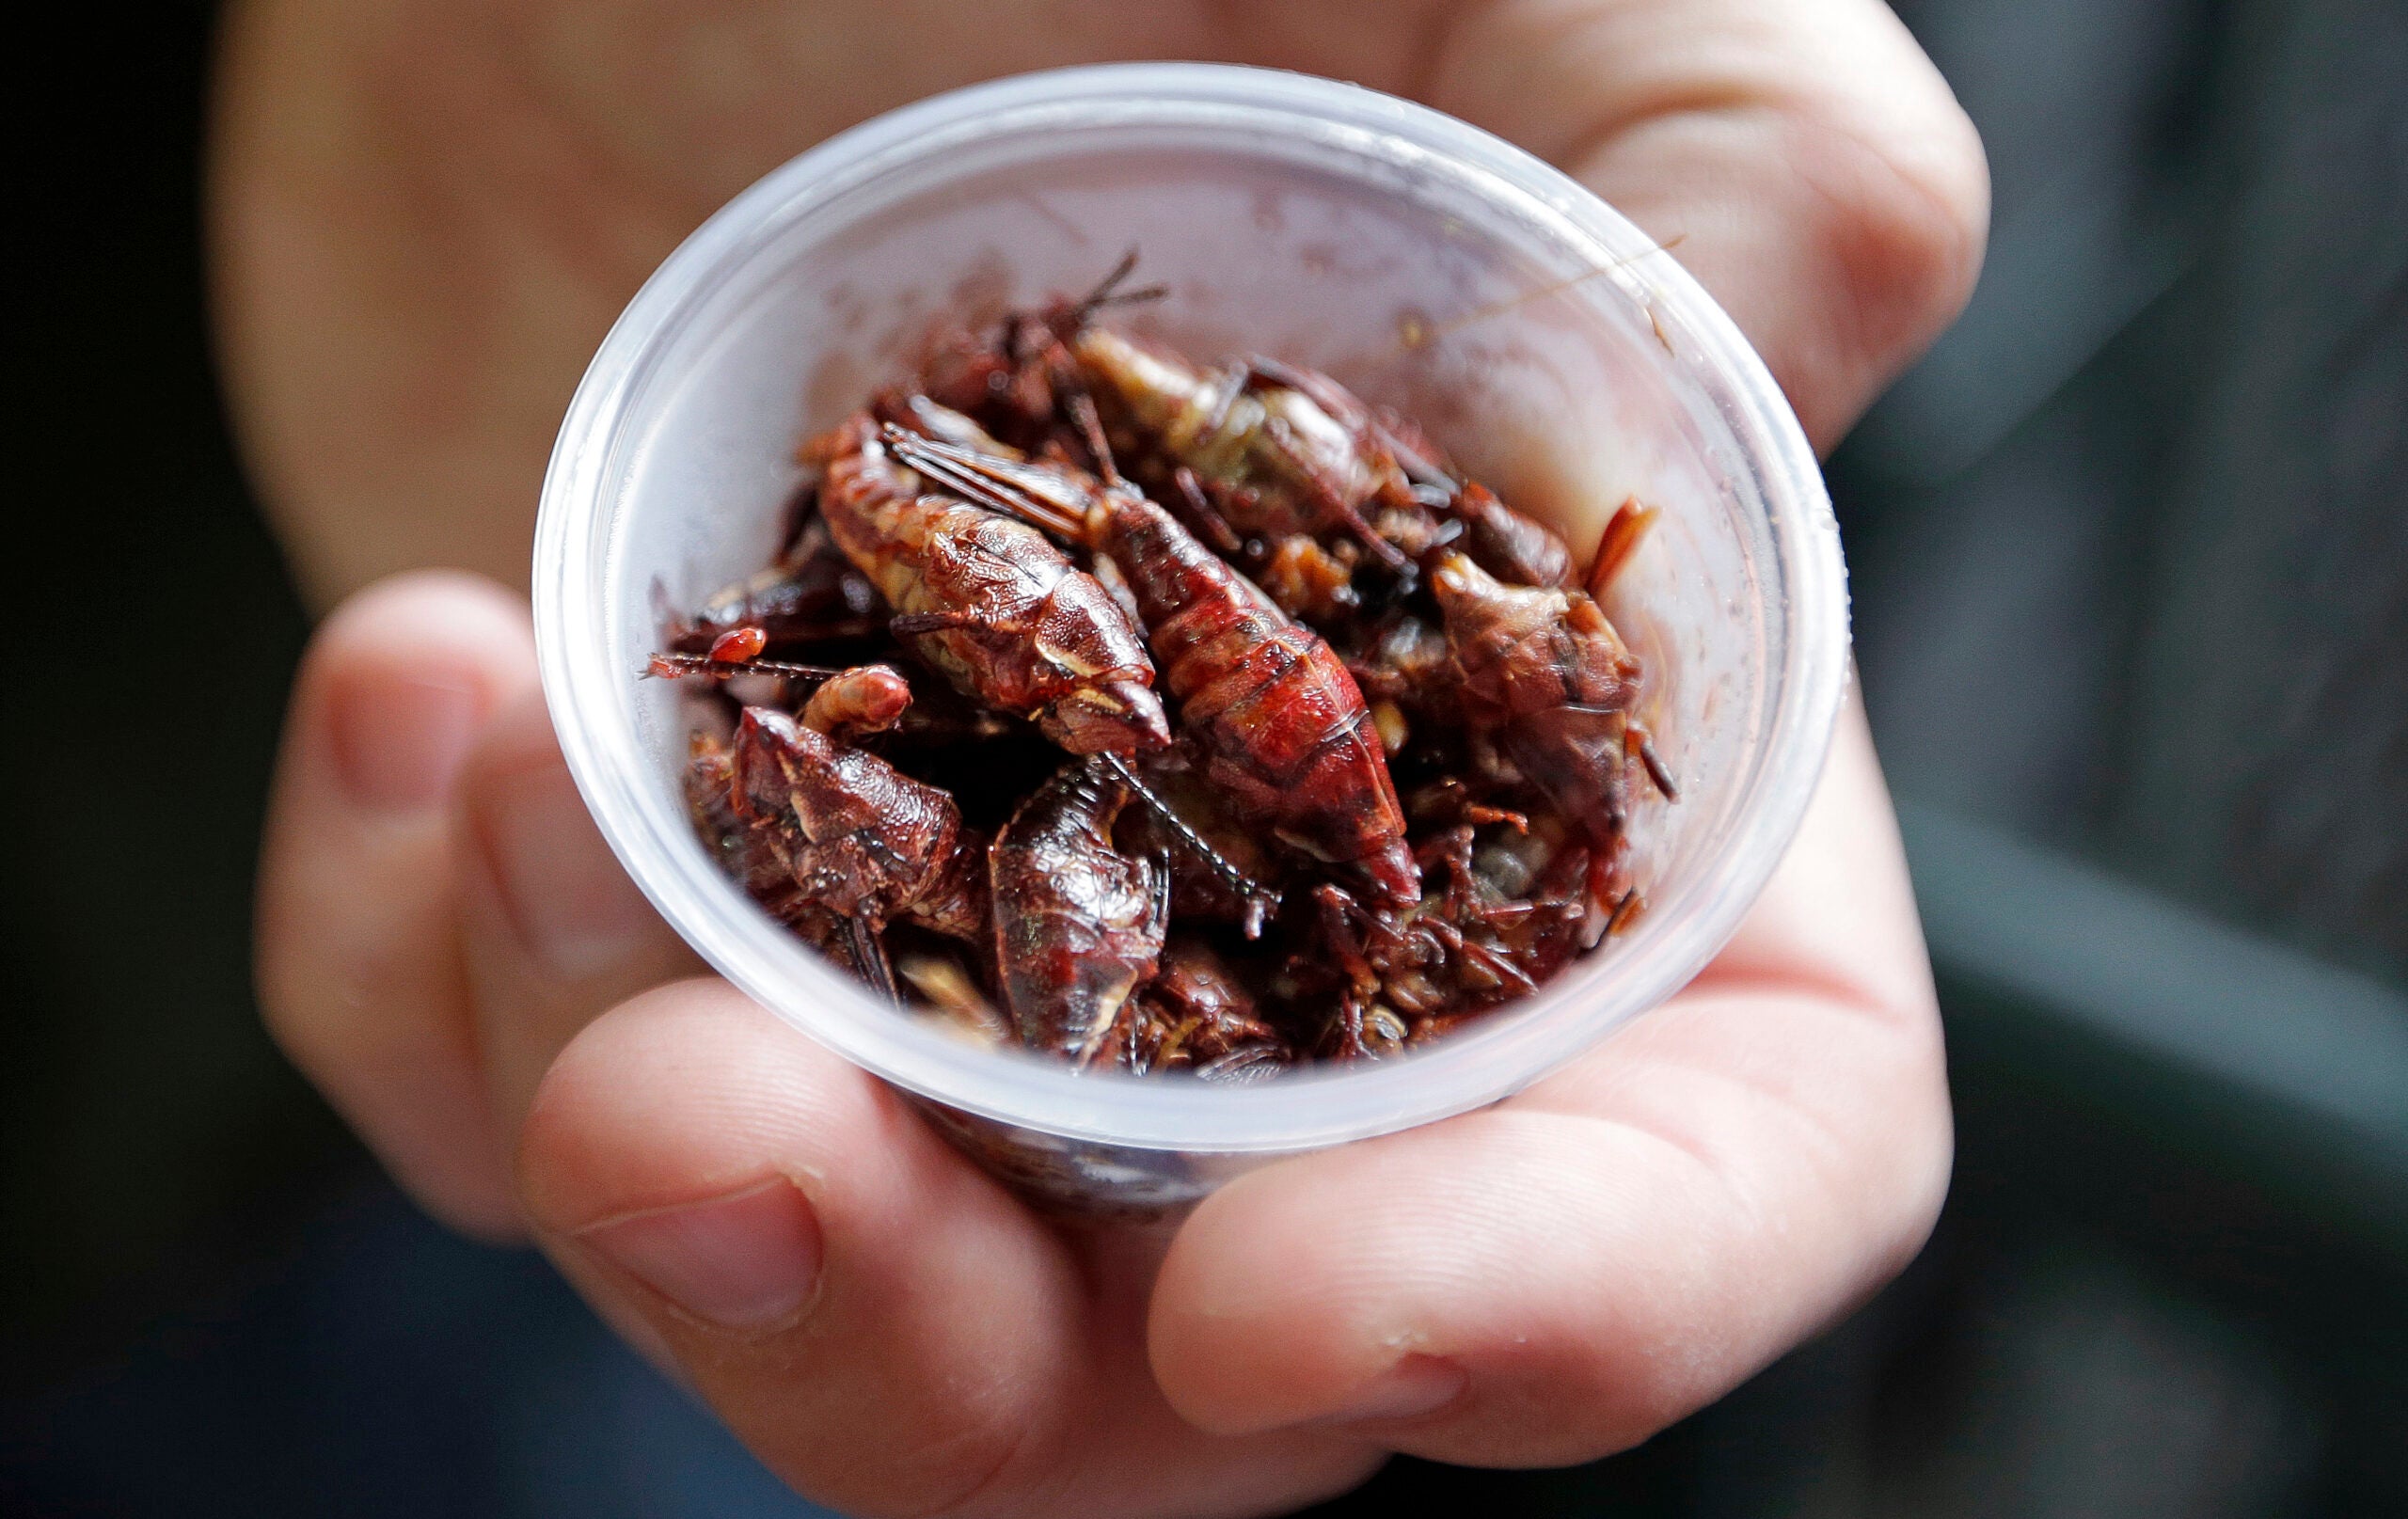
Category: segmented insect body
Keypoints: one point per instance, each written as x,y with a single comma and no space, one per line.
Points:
1289,452
1078,925
869,843
1281,725
992,603
1196,1015
1543,671
1285,728
1284,452
750,849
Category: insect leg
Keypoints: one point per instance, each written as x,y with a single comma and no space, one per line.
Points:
1202,516
1090,426
1337,911
869,958
1245,378
1657,770
1623,534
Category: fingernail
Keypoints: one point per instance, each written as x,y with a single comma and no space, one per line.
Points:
398,742
1416,1385
743,1262
572,908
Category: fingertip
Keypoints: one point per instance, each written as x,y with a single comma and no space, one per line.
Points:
1905,214
634,1113
1506,1289
1278,1304
399,680
692,1090
461,624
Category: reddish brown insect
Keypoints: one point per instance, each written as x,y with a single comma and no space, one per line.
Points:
1262,436
1017,377
1544,671
746,847
1281,725
868,842
1290,452
992,603
992,540
812,594
1078,925
1196,1014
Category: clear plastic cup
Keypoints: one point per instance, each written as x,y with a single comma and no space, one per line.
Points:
1537,335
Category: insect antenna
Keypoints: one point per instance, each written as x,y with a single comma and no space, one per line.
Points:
1255,373
982,481
1260,900
671,666
1108,292
1488,959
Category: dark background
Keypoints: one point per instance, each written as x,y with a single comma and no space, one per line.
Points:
2131,552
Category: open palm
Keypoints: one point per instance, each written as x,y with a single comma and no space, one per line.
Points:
426,215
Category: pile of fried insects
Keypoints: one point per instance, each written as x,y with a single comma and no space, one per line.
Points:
1159,716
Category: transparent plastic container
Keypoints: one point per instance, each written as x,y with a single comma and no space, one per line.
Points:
1535,334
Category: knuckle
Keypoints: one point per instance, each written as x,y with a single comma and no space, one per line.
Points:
1911,219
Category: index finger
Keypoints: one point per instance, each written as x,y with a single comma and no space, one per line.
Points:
1802,158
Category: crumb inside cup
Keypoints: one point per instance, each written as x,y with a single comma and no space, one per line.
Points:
1164,715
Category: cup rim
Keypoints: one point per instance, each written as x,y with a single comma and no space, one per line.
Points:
590,698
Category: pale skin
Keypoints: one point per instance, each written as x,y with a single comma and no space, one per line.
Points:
426,216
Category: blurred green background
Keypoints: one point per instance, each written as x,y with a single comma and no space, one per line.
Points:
2130,555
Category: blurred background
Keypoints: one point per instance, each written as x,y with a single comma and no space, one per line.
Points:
2131,556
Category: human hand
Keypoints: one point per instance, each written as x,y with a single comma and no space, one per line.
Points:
447,948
